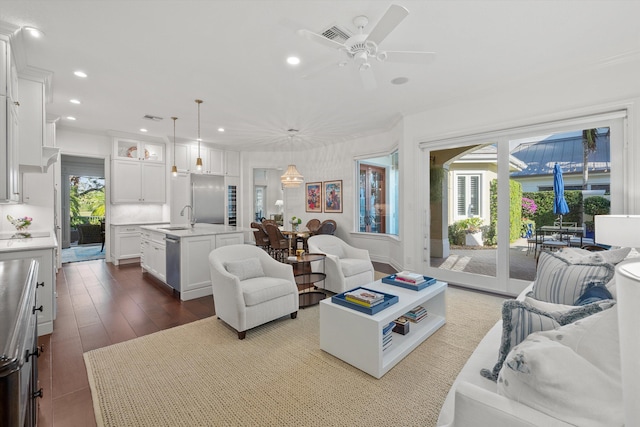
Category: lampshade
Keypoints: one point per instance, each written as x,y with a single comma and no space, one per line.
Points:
279,203
618,230
628,297
291,178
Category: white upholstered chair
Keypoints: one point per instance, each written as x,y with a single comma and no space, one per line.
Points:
250,288
346,267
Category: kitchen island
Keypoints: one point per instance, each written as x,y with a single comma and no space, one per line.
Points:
178,255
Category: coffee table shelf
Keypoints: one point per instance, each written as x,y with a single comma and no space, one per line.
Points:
356,337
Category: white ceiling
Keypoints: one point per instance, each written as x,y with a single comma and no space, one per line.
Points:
157,57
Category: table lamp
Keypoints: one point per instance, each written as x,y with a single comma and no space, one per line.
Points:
623,230
279,204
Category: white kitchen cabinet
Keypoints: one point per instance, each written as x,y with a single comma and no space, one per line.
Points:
125,243
138,151
153,253
195,278
138,182
9,173
34,154
216,161
46,288
232,163
229,239
182,158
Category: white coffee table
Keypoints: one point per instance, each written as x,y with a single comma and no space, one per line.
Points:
356,337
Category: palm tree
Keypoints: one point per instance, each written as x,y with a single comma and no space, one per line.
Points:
589,146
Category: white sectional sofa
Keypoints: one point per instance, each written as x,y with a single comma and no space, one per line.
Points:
564,375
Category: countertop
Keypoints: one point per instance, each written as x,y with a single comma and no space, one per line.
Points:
197,230
139,223
47,241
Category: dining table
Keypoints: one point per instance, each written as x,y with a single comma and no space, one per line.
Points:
563,234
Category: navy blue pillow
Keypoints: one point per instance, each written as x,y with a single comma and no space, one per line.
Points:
592,294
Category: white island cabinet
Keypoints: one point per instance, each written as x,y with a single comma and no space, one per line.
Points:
194,246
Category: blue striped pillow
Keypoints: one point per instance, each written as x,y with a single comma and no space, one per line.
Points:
562,282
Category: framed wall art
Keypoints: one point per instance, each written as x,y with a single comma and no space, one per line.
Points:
314,197
333,196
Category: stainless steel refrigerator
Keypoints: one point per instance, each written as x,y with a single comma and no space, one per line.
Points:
207,198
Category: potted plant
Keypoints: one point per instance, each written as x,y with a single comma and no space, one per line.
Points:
295,222
473,231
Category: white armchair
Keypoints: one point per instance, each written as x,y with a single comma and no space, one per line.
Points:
346,267
250,288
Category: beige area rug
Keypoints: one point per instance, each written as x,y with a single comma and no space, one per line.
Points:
200,374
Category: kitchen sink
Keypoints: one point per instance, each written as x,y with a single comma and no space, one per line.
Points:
174,228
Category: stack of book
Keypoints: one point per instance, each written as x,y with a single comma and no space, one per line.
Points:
364,297
409,277
416,314
386,335
406,279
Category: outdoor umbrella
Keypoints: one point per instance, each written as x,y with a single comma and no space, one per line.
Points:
559,203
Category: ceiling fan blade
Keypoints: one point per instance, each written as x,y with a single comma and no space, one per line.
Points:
320,39
410,57
389,21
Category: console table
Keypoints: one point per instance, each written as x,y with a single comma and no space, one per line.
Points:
356,337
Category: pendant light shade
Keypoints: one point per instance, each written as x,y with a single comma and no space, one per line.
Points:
174,168
292,178
199,159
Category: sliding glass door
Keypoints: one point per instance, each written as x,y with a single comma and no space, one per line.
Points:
491,198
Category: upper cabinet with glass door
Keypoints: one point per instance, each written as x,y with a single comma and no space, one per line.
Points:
129,149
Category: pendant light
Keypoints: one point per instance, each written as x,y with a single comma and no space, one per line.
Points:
291,178
199,159
174,168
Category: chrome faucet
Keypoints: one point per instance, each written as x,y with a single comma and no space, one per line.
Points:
192,219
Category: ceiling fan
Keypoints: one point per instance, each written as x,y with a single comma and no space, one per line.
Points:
363,47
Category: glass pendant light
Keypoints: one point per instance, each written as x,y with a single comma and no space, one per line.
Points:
174,168
292,178
199,159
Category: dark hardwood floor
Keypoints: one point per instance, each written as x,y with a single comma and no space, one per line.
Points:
100,304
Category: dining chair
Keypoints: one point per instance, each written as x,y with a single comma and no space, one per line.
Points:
328,226
261,236
277,241
313,225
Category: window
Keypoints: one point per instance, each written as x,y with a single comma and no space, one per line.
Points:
468,196
378,194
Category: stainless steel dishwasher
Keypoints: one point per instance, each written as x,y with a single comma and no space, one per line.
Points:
173,261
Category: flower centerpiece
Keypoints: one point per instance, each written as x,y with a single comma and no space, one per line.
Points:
295,222
21,224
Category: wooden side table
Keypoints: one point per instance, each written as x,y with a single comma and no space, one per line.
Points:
307,279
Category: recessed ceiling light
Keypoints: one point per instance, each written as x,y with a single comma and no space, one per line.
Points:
80,73
74,101
143,130
220,129
293,60
70,118
400,80
34,32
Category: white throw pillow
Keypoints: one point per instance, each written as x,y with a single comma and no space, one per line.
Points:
571,373
563,282
245,269
522,318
